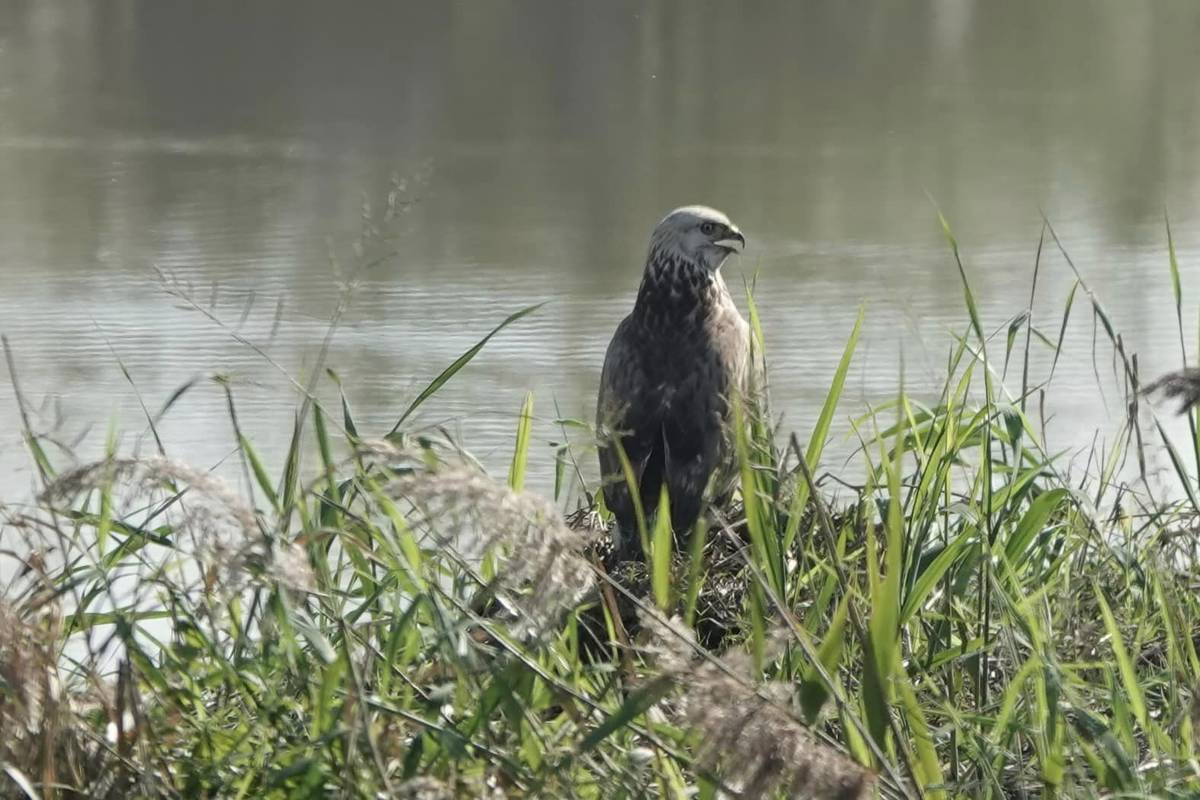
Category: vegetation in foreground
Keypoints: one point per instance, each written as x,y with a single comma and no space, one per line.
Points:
970,620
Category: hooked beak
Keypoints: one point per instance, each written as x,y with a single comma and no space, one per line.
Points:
733,241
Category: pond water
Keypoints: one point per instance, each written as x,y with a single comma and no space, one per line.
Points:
232,147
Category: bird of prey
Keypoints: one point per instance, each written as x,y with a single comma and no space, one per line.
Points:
671,374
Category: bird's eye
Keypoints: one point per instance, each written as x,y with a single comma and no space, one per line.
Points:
708,228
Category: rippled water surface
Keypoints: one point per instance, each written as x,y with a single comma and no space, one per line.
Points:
232,147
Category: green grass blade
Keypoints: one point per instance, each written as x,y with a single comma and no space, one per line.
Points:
260,472
347,416
1129,678
635,495
1176,283
329,512
968,295
1177,291
763,539
638,702
695,578
927,767
950,556
104,526
660,553
816,442
516,470
458,363
813,690
1033,522
291,475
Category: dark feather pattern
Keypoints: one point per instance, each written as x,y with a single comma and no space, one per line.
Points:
670,373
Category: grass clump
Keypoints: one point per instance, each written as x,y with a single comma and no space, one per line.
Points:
965,618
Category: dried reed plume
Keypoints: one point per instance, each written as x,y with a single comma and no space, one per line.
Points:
1183,386
746,734
42,735
426,788
541,570
214,507
28,669
222,526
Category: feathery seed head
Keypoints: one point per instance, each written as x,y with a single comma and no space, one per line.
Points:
541,572
29,685
745,730
223,528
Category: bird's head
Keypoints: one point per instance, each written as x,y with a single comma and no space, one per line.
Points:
698,234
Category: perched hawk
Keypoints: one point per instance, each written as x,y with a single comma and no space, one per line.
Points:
670,375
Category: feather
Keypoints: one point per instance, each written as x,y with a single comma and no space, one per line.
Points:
670,374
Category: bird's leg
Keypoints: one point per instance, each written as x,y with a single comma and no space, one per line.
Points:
627,543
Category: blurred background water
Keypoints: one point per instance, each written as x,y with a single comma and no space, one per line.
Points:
232,145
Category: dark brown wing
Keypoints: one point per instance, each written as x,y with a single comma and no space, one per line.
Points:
709,372
693,434
629,411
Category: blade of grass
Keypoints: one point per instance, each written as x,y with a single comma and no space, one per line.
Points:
516,470
816,442
458,363
695,578
1177,292
660,553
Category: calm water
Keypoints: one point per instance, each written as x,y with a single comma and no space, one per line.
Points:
232,145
